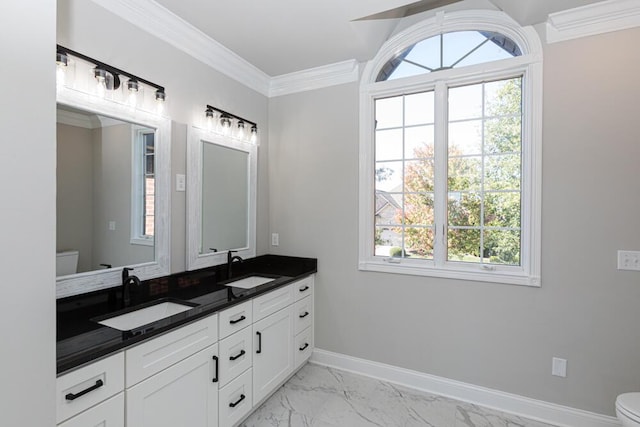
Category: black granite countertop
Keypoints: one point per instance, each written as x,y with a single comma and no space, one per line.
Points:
80,339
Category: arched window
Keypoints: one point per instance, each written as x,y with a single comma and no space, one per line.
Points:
450,151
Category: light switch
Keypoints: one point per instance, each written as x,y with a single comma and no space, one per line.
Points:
559,367
181,182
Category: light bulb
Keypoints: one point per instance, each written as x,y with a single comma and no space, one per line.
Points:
209,118
240,132
161,97
225,121
101,81
62,61
134,87
254,133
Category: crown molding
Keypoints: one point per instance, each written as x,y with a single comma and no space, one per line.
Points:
598,18
315,78
164,24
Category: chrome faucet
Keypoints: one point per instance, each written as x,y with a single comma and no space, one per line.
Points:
127,281
230,259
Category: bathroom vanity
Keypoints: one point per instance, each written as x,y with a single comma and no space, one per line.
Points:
209,365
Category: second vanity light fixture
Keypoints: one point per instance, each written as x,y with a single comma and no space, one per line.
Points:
107,77
230,125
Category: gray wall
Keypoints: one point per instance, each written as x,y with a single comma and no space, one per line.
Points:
27,216
498,336
74,198
190,86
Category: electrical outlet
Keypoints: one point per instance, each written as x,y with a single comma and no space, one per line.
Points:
275,239
112,225
629,260
181,182
559,367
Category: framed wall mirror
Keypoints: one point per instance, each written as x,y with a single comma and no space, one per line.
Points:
221,198
113,189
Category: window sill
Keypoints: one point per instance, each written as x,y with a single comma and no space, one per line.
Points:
509,278
142,242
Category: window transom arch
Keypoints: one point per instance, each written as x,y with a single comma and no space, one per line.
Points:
450,130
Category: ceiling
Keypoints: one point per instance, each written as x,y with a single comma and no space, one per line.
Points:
284,36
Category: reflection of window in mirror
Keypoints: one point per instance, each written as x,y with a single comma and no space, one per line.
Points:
143,191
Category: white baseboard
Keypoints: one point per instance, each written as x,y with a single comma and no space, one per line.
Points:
562,416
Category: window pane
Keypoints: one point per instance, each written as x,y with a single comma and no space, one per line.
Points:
503,135
149,165
389,176
419,109
406,69
502,247
459,44
465,102
464,209
426,53
465,138
463,245
502,210
486,53
388,208
418,209
502,172
418,142
464,173
419,176
389,112
389,144
503,97
418,242
388,241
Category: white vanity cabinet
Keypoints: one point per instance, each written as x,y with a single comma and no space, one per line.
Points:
208,373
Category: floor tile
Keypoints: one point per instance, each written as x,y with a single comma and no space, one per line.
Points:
317,396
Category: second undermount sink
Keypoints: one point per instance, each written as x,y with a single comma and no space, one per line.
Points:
144,316
251,282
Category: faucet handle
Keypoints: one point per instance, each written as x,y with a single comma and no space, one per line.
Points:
125,272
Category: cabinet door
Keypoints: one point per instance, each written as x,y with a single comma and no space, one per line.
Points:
109,413
273,352
183,395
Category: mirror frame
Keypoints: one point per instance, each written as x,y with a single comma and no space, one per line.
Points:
89,281
196,138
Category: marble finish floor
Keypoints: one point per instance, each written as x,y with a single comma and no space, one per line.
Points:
318,396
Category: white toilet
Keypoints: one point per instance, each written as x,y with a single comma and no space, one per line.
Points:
66,263
628,409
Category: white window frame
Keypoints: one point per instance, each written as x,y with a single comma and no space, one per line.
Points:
529,66
138,237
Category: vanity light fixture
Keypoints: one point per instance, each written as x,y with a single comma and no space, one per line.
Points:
226,123
108,77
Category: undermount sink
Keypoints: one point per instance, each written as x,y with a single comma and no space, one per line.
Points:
251,282
146,315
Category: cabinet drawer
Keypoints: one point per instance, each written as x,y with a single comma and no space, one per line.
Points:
235,318
89,385
159,353
233,406
303,347
303,288
235,355
109,413
303,313
271,302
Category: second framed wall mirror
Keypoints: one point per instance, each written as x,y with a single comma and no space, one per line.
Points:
221,198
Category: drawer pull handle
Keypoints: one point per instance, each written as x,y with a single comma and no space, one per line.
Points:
304,346
74,396
237,355
237,402
215,379
302,316
240,319
259,350
304,289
